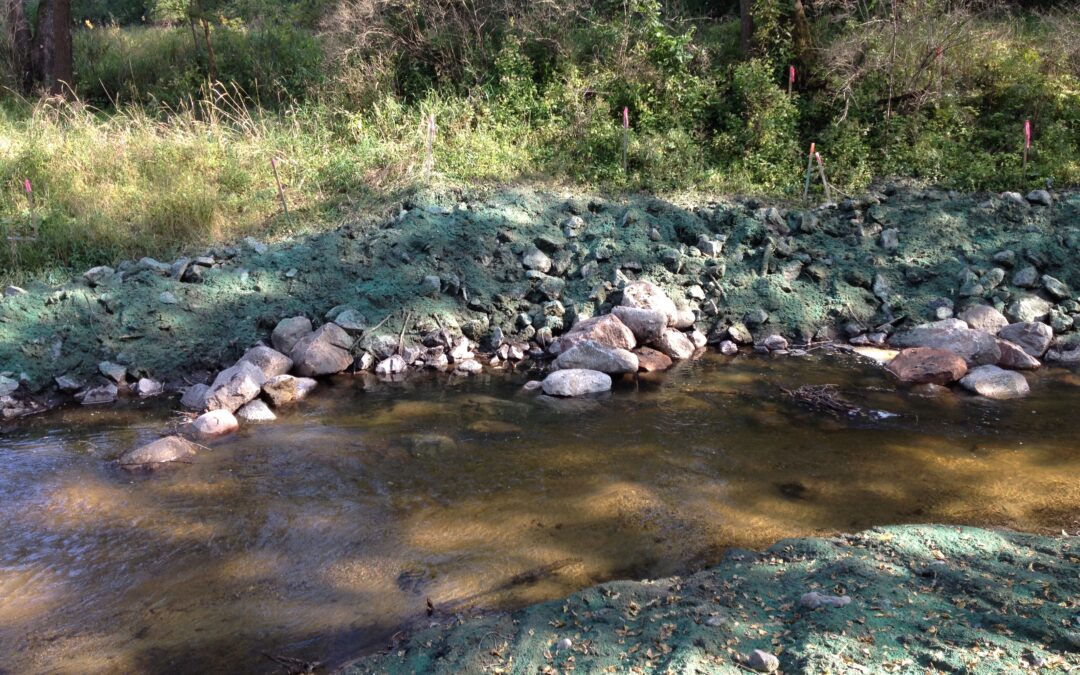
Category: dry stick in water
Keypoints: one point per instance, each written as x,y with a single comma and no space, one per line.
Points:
280,191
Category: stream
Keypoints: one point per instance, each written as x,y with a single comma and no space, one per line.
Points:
321,535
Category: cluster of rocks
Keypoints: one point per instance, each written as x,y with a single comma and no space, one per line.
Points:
645,332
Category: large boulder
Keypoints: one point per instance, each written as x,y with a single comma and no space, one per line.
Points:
1033,337
285,389
270,361
576,382
215,423
1014,357
289,331
647,325
984,318
590,355
607,330
996,383
647,295
168,449
976,347
926,365
324,352
233,387
675,344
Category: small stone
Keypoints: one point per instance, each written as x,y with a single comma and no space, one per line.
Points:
984,318
535,259
695,292
675,344
646,295
564,645
146,387
1014,357
65,383
102,393
814,600
651,360
469,367
1040,197
270,361
7,386
756,317
235,386
740,334
1014,198
97,275
1033,337
256,245
762,662
1029,308
167,298
729,348
351,321
995,383
215,423
775,343
1026,277
391,366
1055,287
890,239
113,371
431,285
256,411
1006,257
532,385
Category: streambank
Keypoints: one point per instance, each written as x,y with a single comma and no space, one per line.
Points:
902,599
520,266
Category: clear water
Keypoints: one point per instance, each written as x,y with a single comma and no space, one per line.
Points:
321,535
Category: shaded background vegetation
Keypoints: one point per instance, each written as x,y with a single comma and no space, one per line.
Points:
180,104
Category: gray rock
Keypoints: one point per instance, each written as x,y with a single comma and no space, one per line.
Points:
646,324
976,347
431,285
146,387
7,386
98,275
235,386
739,334
154,266
113,371
391,366
675,345
729,348
710,248
161,451
576,382
351,321
646,295
1026,277
270,361
984,318
1029,308
1055,287
101,393
814,600
468,366
1041,197
215,423
65,383
289,331
591,355
167,298
12,291
1033,337
256,411
775,343
535,259
1014,198
756,317
684,318
1006,257
890,239
324,352
996,383
762,662
285,389
256,245
194,397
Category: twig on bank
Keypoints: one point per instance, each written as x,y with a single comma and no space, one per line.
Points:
401,335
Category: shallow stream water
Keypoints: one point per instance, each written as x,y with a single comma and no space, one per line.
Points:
321,535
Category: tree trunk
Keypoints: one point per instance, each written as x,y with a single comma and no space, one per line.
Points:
800,35
18,39
746,25
51,56
211,57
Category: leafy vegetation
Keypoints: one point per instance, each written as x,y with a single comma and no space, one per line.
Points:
154,156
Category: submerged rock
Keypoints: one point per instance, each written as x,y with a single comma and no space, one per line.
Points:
996,383
161,451
922,365
590,355
576,382
285,389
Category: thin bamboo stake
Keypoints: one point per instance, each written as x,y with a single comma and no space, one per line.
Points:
824,180
280,190
809,171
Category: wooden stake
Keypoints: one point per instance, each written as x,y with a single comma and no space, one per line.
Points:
280,190
626,136
1027,146
824,180
809,171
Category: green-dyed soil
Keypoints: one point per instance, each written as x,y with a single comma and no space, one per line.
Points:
924,599
808,270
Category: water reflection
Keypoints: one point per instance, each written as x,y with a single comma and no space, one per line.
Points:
325,532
